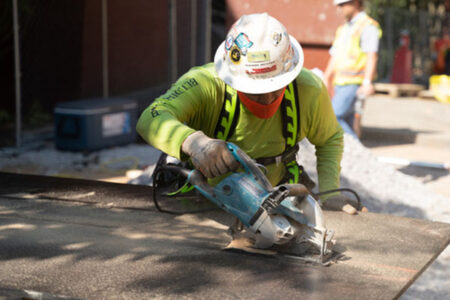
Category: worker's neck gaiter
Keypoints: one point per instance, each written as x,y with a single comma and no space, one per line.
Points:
263,111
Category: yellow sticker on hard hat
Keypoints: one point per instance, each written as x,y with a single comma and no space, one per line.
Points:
258,56
235,55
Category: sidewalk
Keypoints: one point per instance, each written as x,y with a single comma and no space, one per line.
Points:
413,129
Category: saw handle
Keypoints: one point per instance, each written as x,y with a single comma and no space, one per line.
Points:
249,166
252,168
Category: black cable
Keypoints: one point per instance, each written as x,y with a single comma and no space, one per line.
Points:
159,169
159,172
155,193
342,190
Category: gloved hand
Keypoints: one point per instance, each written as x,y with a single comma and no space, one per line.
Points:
341,203
210,156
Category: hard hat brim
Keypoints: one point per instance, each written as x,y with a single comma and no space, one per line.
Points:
258,86
338,2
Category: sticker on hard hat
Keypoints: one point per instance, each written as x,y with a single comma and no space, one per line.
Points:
258,56
235,55
229,42
242,41
276,38
261,70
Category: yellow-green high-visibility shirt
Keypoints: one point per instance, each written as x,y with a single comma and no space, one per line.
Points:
195,101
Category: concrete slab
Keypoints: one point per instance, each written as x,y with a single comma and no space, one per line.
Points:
421,116
86,247
410,128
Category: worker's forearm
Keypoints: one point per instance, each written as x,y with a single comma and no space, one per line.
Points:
371,67
328,75
328,162
153,126
329,71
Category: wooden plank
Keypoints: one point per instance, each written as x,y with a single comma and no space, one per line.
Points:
427,95
398,89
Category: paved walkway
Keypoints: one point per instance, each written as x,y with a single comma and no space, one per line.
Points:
413,129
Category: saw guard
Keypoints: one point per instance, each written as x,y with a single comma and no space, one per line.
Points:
309,209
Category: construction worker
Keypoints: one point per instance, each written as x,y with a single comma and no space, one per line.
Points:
257,95
352,66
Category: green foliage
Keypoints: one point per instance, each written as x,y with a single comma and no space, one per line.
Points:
5,117
423,20
36,116
412,5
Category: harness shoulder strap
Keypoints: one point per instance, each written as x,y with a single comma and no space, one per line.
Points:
229,114
290,113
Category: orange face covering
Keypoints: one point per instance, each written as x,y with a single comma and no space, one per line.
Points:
263,111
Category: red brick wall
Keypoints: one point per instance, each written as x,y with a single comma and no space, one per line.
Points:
312,22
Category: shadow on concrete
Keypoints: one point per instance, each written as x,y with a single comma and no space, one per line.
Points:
428,174
113,238
176,258
375,136
132,205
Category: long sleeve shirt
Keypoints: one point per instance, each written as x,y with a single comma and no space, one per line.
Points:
195,101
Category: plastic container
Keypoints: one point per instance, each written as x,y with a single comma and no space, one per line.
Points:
92,124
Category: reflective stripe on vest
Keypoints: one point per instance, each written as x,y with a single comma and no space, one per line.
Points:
293,172
350,59
291,115
228,115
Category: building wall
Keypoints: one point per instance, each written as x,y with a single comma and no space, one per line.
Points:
312,22
137,46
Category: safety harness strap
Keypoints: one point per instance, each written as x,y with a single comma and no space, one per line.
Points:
285,157
290,114
229,114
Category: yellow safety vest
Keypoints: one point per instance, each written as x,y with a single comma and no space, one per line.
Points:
350,60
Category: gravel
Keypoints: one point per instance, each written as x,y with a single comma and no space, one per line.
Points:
381,187
47,160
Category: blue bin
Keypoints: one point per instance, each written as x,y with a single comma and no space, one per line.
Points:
92,124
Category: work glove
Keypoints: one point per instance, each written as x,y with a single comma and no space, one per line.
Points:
341,203
209,156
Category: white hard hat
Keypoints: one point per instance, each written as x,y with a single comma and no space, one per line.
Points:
337,2
258,56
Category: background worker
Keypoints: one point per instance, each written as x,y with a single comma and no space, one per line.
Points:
257,95
352,65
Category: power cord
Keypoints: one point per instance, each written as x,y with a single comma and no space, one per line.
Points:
157,178
341,190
